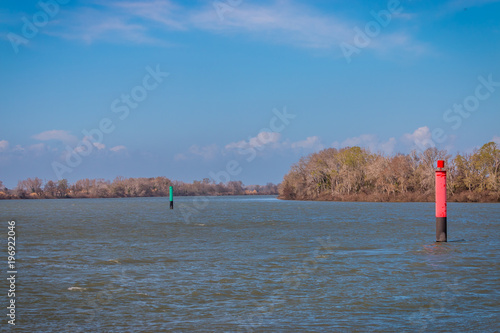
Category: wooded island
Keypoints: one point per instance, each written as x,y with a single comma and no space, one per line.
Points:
355,174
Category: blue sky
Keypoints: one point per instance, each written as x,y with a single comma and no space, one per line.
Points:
238,89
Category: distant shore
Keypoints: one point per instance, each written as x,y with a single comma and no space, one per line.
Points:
462,197
120,187
155,196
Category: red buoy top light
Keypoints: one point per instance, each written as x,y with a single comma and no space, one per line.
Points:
440,164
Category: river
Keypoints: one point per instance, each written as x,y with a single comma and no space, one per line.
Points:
251,264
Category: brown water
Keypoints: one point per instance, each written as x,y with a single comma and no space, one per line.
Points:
252,264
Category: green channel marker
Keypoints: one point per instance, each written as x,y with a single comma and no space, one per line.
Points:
171,197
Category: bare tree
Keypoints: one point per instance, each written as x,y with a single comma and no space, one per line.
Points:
50,189
62,188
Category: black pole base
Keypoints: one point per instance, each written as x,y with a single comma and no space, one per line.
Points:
171,205
441,232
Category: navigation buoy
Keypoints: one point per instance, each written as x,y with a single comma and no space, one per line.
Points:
441,232
171,197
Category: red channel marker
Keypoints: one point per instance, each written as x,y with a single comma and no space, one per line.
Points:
441,232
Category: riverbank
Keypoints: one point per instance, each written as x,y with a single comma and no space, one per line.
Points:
35,197
463,197
120,187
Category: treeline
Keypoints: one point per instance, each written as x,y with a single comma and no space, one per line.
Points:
355,174
35,188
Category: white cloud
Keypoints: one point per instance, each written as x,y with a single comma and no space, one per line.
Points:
496,139
387,43
388,146
18,148
107,24
83,148
207,152
99,145
311,143
163,12
37,149
279,21
118,148
421,137
287,22
262,139
59,135
266,141
237,145
369,141
4,145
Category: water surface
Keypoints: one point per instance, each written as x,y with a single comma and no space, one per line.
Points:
229,264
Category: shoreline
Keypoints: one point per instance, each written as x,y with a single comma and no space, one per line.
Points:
459,198
349,198
130,197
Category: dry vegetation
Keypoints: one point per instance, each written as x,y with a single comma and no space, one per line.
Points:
355,174
35,188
